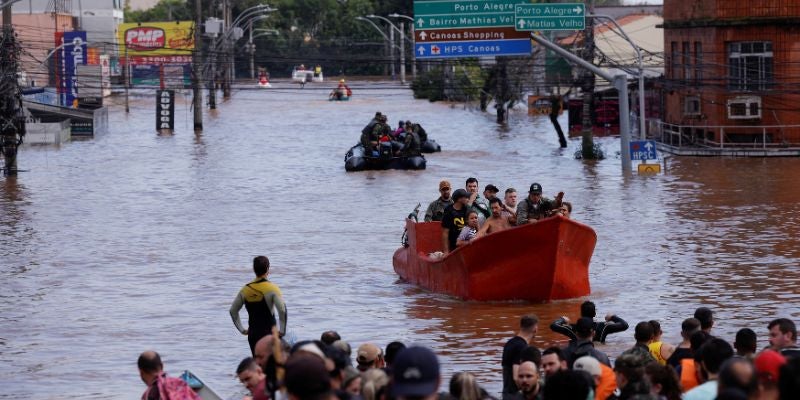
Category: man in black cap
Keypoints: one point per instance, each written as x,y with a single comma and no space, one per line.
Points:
534,207
455,217
583,344
415,374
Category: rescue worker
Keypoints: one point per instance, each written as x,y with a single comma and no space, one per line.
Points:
367,132
259,297
411,142
435,210
380,133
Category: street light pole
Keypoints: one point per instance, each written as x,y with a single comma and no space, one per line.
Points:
402,44
390,41
412,40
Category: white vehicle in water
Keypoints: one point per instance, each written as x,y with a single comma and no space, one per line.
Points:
302,75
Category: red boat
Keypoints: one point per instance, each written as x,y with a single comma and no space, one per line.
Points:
548,260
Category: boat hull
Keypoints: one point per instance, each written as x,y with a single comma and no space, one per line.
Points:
540,262
356,160
430,146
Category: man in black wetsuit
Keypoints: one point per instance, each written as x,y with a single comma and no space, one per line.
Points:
612,324
259,297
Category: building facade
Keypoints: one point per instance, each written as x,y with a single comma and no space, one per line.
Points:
730,71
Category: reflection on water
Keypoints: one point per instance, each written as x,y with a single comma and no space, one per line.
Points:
133,241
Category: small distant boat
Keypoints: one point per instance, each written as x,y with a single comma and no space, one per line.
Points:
338,98
545,261
357,159
199,387
302,76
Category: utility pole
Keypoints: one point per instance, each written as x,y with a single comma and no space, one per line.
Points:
212,57
402,53
197,93
391,51
587,143
12,118
226,85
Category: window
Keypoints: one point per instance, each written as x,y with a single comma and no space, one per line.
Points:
691,105
750,66
687,63
673,56
698,62
748,107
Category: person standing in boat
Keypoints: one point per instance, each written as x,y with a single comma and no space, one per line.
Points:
496,222
534,207
259,297
435,210
454,219
366,133
475,201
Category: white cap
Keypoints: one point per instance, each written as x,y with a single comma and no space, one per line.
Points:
588,364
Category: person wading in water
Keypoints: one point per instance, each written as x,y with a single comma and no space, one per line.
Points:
259,297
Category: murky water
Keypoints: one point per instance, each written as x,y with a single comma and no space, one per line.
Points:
133,241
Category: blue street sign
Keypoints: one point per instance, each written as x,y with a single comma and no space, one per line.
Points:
479,48
643,150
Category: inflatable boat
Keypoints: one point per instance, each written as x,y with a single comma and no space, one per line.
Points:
357,159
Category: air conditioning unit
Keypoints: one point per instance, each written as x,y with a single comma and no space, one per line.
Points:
747,107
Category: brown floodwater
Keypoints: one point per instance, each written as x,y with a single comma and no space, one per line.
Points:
133,241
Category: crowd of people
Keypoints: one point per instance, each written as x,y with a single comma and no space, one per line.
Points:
702,367
465,215
380,140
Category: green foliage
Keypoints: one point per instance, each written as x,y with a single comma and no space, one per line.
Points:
164,10
429,85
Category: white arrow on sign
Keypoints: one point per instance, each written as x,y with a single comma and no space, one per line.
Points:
577,9
421,50
521,23
420,22
648,146
423,35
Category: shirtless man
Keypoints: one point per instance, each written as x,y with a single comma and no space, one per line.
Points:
496,222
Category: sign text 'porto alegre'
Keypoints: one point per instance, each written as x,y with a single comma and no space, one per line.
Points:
468,28
550,17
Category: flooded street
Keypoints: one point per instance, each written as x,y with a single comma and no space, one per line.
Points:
133,241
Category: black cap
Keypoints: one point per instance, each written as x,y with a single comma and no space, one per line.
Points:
415,372
459,193
491,188
536,188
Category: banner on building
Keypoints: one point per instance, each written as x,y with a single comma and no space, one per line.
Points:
156,38
71,53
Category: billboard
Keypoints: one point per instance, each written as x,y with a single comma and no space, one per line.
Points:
71,53
156,38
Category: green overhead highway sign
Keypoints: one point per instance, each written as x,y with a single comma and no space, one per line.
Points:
550,17
455,7
445,14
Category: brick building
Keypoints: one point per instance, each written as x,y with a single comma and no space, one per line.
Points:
731,71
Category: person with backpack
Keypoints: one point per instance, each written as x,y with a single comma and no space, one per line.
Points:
159,385
259,297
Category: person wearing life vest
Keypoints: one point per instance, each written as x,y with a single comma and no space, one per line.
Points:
259,297
342,90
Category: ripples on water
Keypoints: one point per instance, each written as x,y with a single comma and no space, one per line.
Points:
132,241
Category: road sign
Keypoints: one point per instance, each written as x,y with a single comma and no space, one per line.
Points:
550,17
467,34
482,48
461,7
467,28
649,169
643,150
